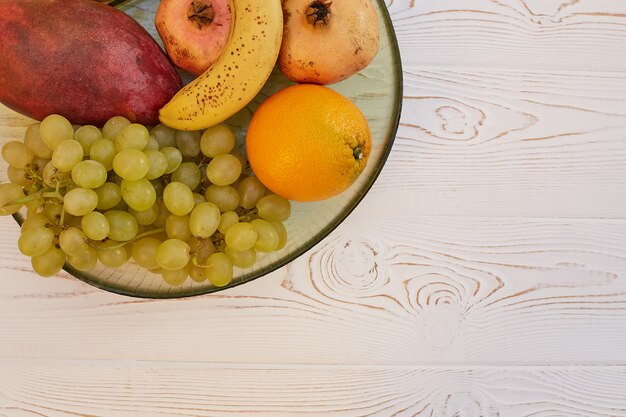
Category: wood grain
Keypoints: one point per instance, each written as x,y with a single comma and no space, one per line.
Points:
58,388
514,34
507,143
483,275
377,291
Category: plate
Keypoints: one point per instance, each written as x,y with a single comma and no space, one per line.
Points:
376,90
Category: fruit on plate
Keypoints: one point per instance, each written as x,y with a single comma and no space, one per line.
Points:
194,32
318,147
327,41
82,59
183,220
239,73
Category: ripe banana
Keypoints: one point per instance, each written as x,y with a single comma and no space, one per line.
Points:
239,73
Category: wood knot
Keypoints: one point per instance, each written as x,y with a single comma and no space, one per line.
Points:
351,267
547,13
467,401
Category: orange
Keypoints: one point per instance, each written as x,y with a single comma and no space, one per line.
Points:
308,143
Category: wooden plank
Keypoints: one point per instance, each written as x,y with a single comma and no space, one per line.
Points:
507,143
514,34
54,388
377,291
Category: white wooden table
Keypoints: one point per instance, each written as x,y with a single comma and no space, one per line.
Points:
483,275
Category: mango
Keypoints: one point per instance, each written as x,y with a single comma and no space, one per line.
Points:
82,59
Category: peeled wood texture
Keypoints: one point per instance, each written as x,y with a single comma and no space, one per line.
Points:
483,275
509,143
378,291
515,34
136,389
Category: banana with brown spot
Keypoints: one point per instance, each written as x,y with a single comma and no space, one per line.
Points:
237,76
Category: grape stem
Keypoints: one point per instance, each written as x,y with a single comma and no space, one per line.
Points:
28,198
45,193
121,244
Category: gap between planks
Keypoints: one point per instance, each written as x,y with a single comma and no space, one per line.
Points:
311,366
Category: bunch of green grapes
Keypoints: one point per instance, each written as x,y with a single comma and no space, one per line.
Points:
177,203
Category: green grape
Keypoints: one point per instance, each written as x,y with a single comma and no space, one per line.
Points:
188,173
9,193
17,154
34,221
133,136
37,165
73,241
113,126
165,136
110,254
67,154
33,206
201,248
145,217
35,240
48,263
95,225
103,151
198,198
144,252
223,169
196,273
122,206
158,164
80,201
163,214
174,158
241,258
188,143
241,236
228,219
33,140
131,164
217,140
282,233
89,174
172,254
54,129
204,219
52,210
86,136
139,195
243,161
51,176
177,227
178,198
219,269
122,225
19,176
175,277
250,192
267,239
152,144
274,207
72,221
225,197
109,195
158,187
116,179
86,261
